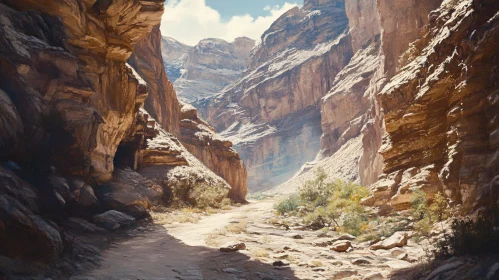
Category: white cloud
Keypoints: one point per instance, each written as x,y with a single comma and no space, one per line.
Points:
190,21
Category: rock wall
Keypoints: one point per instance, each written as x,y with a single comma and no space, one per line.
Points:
76,145
162,102
182,121
440,110
272,111
206,69
68,101
63,66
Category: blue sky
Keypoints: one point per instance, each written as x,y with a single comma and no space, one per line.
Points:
190,21
229,8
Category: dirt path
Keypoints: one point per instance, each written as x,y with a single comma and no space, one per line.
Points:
190,252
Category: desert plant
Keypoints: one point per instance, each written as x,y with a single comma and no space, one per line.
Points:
288,205
428,213
473,237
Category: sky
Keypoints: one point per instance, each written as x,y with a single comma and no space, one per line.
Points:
190,21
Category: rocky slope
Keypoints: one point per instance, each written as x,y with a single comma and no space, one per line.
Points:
271,113
205,69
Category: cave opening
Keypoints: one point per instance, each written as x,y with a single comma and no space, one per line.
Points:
126,156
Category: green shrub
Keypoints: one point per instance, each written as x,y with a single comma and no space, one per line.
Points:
330,204
429,213
288,205
469,237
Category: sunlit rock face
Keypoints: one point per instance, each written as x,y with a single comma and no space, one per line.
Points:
441,110
182,121
63,66
271,113
206,69
161,102
351,116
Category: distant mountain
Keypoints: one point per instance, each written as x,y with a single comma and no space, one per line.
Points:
205,69
272,112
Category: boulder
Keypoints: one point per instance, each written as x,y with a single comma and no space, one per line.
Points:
87,198
24,235
398,239
341,246
130,193
113,220
81,225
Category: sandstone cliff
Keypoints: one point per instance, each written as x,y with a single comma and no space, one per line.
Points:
271,113
182,121
74,140
440,110
206,69
351,116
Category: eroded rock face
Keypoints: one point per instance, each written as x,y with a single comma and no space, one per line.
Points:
195,135
162,102
207,68
216,153
440,110
183,177
272,111
63,66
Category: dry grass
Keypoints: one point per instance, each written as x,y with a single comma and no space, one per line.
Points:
266,239
238,228
292,259
214,240
186,215
259,253
316,263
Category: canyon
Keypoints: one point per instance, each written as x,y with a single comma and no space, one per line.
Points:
204,70
108,129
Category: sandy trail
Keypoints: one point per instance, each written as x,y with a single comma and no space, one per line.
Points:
180,251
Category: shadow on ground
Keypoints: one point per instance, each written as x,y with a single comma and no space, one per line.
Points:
154,254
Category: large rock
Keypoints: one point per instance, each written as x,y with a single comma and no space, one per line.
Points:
113,220
185,179
129,192
24,234
216,153
399,239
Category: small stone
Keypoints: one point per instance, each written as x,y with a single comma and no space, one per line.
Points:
344,274
373,276
281,256
361,262
231,270
280,263
348,237
233,248
318,269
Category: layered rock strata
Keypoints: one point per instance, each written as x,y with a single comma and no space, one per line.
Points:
182,121
440,110
271,113
206,69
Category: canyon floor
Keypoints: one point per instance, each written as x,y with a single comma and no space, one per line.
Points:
190,251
